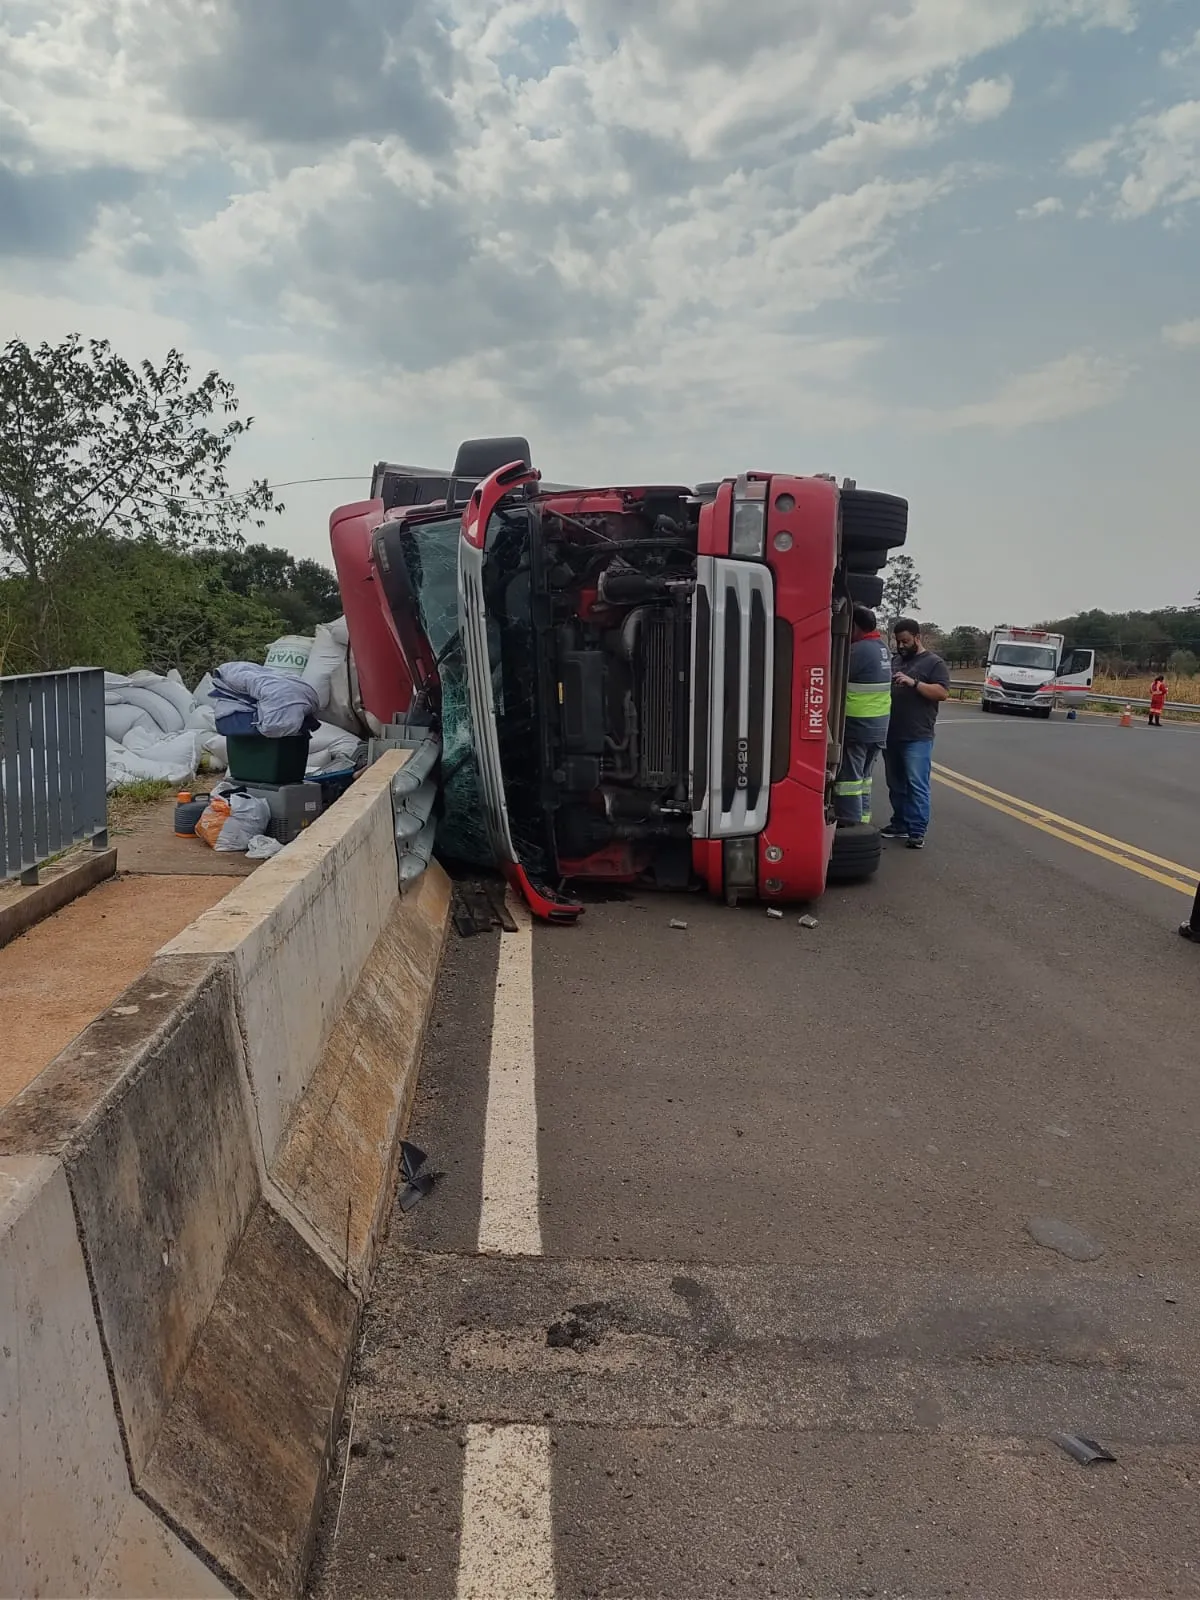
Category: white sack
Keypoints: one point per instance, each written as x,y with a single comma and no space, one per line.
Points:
325,657
124,766
289,654
118,719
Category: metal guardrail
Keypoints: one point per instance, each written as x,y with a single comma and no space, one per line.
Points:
414,795
962,685
52,789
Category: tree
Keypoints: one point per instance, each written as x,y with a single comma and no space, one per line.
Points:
90,445
126,604
901,587
302,592
965,646
1182,664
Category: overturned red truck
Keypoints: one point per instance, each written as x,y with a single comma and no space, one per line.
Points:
651,679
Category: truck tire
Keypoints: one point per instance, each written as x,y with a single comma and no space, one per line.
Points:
873,525
857,848
479,458
1044,712
706,491
865,588
984,705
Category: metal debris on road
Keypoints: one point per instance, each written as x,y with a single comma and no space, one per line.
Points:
677,922
807,921
774,911
479,910
412,1159
1082,1449
417,1184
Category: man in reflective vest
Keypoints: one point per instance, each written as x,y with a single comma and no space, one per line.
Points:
868,706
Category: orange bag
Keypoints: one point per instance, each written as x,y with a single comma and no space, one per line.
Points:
216,815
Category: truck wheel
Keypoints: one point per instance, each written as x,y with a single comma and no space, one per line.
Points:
984,705
856,851
865,589
706,491
873,525
1044,712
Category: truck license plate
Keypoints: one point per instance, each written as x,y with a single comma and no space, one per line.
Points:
816,701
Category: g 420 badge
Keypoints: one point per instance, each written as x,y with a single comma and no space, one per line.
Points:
815,708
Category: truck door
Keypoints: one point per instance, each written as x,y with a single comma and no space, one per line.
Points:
1075,676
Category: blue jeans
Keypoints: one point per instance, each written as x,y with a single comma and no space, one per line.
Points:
852,791
908,767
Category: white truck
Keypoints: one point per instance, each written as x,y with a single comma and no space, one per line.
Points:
1029,669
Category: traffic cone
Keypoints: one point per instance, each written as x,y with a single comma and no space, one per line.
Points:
1127,717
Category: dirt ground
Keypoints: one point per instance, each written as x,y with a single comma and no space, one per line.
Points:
57,977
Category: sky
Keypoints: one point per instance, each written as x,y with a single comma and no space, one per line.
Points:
949,248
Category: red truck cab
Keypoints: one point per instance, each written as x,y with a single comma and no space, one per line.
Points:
656,679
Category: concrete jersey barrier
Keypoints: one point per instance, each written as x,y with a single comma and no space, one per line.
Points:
191,1200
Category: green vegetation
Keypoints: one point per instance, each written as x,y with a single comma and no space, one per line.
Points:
121,543
1128,644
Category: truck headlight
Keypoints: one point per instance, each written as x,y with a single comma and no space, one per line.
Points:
748,537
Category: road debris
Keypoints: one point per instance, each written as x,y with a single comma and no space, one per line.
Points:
677,922
1069,1241
808,921
1082,1449
417,1184
478,910
579,1329
774,911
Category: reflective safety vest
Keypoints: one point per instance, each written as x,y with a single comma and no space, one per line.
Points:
869,691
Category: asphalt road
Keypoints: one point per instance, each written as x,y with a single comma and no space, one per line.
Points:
835,1227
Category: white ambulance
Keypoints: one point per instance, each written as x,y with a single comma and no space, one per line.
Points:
1029,669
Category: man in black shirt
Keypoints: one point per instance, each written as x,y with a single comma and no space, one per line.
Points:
920,682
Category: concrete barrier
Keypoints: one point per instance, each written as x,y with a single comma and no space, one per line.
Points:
298,934
69,1522
191,1198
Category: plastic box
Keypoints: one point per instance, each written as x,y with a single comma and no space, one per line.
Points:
253,759
294,807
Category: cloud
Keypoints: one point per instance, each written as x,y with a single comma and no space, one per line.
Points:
1183,335
312,72
1090,160
1068,387
1163,154
1150,164
986,98
1048,207
50,214
1181,54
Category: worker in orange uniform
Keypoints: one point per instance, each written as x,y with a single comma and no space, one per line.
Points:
1158,699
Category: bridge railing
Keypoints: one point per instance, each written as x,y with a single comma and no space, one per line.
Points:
52,788
961,686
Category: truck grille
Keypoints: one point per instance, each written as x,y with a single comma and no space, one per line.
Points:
736,620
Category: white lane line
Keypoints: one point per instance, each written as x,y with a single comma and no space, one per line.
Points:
506,1550
506,1547
508,1214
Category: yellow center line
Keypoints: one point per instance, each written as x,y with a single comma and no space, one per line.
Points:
1108,849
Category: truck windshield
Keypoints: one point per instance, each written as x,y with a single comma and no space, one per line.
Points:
1025,655
429,551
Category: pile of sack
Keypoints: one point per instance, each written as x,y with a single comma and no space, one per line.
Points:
155,727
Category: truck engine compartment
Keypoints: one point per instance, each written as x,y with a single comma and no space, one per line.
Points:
592,603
